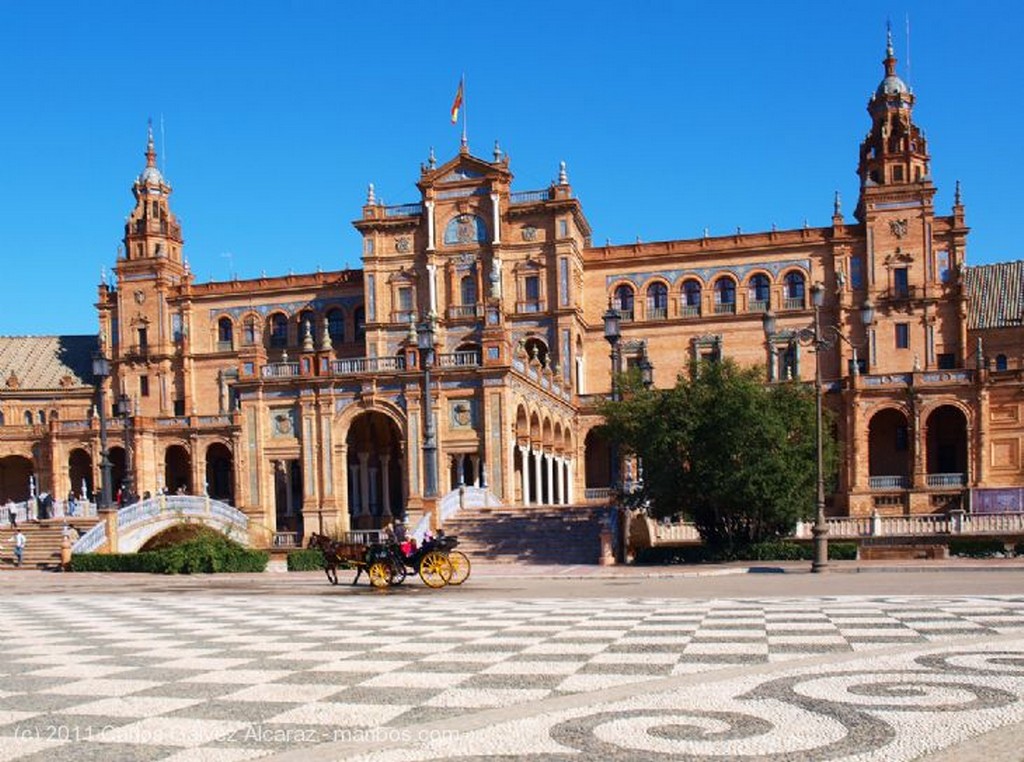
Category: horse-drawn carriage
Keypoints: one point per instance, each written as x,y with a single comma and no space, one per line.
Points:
387,561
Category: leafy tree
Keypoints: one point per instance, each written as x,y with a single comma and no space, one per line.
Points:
730,452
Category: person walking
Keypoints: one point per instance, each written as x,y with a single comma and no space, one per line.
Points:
19,548
12,512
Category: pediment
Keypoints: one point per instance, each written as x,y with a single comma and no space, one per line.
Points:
465,169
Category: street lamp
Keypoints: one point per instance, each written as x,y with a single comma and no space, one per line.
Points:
815,338
123,408
612,335
646,368
101,371
425,342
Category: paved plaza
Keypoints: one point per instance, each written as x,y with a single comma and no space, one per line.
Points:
118,670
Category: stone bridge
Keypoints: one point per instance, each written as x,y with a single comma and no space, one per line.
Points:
132,526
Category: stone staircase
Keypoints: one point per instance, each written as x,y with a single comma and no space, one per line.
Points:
42,541
539,535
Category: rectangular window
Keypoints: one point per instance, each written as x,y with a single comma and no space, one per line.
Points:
903,336
942,266
142,338
897,174
947,361
405,299
901,282
563,228
179,408
856,272
144,386
176,327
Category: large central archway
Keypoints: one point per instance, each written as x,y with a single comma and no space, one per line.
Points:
178,470
15,471
220,483
374,470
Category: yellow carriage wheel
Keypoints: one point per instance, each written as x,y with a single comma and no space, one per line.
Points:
460,567
435,569
380,574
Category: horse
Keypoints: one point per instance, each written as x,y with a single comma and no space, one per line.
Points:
339,554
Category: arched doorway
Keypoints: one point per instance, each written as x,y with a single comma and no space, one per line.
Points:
946,447
178,470
220,473
889,455
597,456
80,473
375,467
15,471
117,458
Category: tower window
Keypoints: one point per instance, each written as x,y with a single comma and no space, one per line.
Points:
142,339
278,330
1001,363
901,282
897,174
467,287
359,319
144,386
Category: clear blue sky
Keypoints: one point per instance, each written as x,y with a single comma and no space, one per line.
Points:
671,116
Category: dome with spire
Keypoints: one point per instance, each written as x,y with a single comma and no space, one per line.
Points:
151,175
891,84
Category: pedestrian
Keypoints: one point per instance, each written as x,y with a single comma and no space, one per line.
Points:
19,548
72,506
13,513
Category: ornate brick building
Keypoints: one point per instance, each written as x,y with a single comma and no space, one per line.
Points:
302,398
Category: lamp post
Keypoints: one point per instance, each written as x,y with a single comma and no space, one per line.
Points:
425,342
123,408
101,371
612,334
815,338
646,368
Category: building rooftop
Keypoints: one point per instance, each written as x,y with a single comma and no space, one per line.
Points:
995,295
46,362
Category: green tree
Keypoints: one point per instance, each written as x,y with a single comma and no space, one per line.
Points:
730,452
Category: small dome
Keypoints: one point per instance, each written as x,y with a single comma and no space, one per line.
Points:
151,176
892,85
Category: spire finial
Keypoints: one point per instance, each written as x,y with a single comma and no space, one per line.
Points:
150,150
371,198
563,176
837,206
890,56
325,338
497,152
957,198
431,159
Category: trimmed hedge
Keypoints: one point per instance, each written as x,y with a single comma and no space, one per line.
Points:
976,548
309,559
208,553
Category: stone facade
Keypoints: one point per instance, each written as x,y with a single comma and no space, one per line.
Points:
300,398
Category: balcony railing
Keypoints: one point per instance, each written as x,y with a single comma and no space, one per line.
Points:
530,305
456,311
689,310
888,482
466,359
793,303
225,346
726,308
403,210
366,365
597,493
760,305
657,313
946,480
625,316
528,197
280,370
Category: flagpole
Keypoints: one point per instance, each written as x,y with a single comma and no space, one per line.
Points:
465,139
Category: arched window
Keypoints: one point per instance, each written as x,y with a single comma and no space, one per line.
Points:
758,294
336,325
28,417
794,291
657,301
359,318
278,330
537,348
2,421
691,298
1001,363
623,301
725,295
467,290
225,334
41,416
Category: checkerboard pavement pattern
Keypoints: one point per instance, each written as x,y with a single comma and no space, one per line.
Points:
228,677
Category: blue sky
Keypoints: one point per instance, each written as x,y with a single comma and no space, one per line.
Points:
671,117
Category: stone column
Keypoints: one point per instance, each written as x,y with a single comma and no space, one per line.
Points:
550,462
556,481
460,469
364,483
571,479
525,472
385,477
537,479
474,465
563,474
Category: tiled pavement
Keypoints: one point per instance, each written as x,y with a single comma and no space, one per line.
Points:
228,677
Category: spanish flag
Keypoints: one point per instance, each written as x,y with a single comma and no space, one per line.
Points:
457,103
